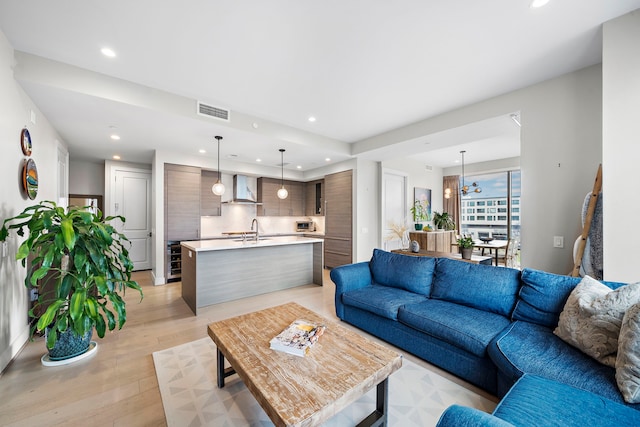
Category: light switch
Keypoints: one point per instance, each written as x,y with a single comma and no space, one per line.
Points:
558,241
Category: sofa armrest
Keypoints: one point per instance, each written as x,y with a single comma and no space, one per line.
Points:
461,416
348,278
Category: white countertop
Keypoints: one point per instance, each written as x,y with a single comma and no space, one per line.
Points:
225,244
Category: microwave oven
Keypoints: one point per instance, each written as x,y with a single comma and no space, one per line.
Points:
305,226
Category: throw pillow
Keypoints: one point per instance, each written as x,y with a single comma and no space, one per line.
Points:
628,361
592,316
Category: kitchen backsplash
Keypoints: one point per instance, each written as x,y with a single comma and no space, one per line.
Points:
237,217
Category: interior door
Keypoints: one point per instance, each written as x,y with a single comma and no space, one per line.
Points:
133,202
394,206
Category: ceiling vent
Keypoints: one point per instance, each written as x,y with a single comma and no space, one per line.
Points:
214,112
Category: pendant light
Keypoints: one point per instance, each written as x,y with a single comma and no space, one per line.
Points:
282,192
218,187
465,188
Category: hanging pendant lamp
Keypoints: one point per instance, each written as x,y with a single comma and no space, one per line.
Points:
465,188
282,192
218,187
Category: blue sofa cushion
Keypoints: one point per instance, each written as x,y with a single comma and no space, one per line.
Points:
533,349
381,300
411,273
483,287
462,416
467,328
535,401
543,295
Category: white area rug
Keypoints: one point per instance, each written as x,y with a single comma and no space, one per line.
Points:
187,378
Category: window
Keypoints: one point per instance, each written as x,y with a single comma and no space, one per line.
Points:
497,209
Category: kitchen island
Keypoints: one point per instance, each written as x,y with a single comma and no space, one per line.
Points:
215,271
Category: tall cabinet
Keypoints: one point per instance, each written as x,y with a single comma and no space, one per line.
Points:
182,213
338,205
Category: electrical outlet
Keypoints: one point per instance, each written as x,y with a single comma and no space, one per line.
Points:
558,241
33,294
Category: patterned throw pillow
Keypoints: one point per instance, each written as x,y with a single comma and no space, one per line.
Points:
592,315
628,361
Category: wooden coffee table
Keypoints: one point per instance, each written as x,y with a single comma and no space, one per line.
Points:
303,391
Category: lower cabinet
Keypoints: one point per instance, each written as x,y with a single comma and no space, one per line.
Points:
437,241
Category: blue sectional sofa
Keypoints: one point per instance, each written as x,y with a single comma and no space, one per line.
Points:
488,325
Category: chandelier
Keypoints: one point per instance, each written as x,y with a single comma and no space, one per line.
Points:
466,189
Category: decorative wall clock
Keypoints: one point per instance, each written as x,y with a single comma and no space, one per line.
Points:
25,142
30,178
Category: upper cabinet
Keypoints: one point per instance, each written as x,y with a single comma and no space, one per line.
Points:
182,202
210,204
314,198
271,205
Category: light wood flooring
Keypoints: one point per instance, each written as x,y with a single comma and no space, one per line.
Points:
118,386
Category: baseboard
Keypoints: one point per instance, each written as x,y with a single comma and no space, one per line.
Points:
10,353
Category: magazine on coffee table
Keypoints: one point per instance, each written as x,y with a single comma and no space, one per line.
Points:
297,338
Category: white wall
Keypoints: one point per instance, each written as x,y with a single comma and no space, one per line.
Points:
15,113
86,177
419,176
561,147
621,138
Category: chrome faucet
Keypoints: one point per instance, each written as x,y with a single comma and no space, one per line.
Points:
254,220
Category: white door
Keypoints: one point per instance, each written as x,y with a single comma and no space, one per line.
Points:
394,206
133,202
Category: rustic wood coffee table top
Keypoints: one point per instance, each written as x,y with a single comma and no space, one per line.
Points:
302,391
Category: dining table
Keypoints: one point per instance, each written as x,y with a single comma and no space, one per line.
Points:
491,245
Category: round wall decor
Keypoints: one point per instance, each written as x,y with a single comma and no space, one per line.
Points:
25,142
30,178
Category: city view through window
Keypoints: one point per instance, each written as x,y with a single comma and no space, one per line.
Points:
489,212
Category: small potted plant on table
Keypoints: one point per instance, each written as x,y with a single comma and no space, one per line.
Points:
465,243
420,213
80,266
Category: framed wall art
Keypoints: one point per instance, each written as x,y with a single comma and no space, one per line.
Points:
30,178
25,142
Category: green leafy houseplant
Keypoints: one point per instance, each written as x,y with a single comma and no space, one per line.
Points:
420,213
443,221
84,258
465,242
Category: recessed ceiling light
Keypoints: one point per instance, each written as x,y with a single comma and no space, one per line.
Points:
115,137
298,167
116,157
202,151
258,160
327,159
108,52
312,119
538,3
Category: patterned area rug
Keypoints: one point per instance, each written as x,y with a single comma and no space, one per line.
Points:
187,378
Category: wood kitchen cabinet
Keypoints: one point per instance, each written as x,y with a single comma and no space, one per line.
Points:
210,204
338,219
314,198
182,202
271,205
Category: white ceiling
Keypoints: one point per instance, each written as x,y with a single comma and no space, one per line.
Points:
361,67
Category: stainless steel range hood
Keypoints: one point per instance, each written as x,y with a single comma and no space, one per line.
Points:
245,189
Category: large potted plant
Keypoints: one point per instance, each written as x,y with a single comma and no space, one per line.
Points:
420,213
80,267
443,221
